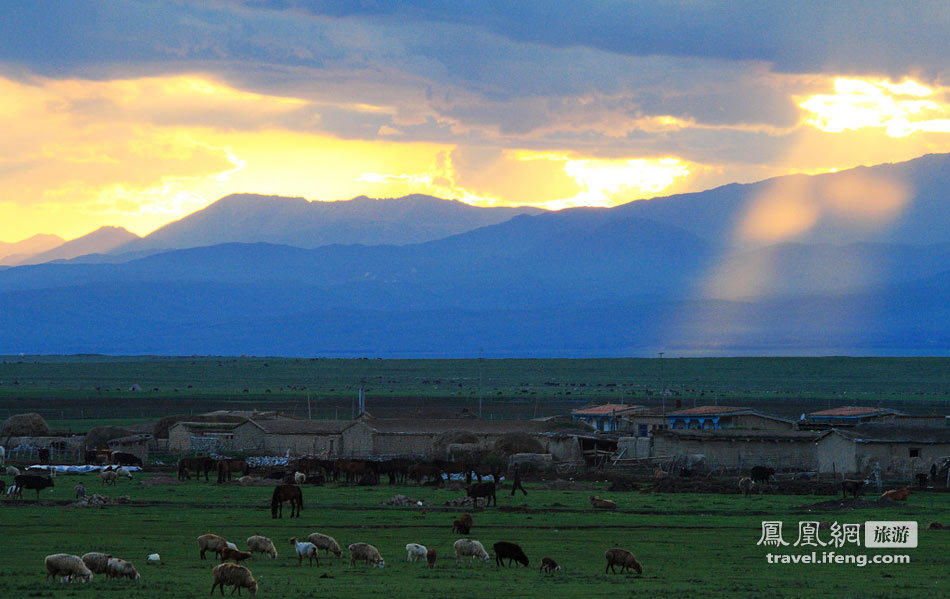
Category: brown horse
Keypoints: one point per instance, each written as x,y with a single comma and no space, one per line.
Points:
199,465
226,467
282,493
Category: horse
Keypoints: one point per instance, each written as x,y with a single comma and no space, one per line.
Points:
282,493
199,465
226,467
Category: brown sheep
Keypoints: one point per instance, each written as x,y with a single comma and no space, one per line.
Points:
235,555
622,558
233,575
96,562
548,565
212,543
602,504
464,524
431,556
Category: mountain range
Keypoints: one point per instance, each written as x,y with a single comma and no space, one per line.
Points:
869,275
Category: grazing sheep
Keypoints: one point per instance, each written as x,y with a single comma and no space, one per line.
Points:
855,487
124,472
245,480
233,575
119,568
80,491
470,548
746,485
67,566
259,544
549,566
230,545
153,558
327,543
464,524
96,562
415,552
13,471
235,555
364,552
896,494
622,558
511,552
431,556
108,477
212,543
305,549
300,478
602,504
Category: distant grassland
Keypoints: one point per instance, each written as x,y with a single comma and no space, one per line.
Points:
690,545
98,387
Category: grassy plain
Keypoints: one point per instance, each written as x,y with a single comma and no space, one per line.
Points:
691,545
64,388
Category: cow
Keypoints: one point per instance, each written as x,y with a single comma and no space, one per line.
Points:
762,474
486,490
855,487
122,458
30,481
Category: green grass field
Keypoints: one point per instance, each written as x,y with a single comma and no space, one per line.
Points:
690,545
67,388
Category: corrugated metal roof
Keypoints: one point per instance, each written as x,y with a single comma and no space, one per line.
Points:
606,409
708,411
852,412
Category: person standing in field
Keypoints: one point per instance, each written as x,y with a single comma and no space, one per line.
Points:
516,482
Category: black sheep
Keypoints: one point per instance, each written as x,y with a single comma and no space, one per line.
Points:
762,474
509,551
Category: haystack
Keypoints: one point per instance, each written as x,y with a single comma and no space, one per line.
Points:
161,427
99,437
25,425
453,437
511,443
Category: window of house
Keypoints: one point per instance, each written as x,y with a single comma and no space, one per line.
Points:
915,452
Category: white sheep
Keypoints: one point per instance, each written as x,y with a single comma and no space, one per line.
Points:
415,552
305,549
13,471
210,542
96,561
326,542
124,472
119,568
470,548
300,478
66,566
259,544
235,576
108,477
364,552
153,558
230,544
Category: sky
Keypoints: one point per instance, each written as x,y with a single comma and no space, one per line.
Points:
136,114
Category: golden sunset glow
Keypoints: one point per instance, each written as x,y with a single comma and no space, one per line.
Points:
900,109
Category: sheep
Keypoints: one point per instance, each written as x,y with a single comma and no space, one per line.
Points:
259,544
212,543
602,504
300,478
896,494
431,556
364,552
622,558
470,548
511,552
108,477
233,575
230,545
245,480
746,485
235,555
464,524
153,558
124,472
80,491
415,552
13,471
67,566
549,566
119,568
305,549
326,542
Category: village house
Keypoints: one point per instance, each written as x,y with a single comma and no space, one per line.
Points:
201,437
605,417
720,417
898,450
847,416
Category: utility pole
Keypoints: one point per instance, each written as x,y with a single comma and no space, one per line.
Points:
662,395
481,362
